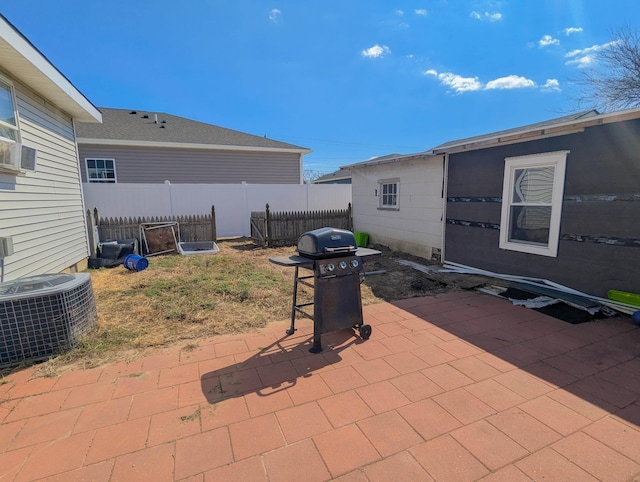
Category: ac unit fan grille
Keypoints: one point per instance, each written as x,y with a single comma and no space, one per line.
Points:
37,327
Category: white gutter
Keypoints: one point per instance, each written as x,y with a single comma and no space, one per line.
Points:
404,157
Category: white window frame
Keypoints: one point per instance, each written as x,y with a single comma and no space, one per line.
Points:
100,180
381,195
14,144
558,161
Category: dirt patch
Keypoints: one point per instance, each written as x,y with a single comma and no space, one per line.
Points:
398,281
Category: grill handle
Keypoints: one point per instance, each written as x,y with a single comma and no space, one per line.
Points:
341,249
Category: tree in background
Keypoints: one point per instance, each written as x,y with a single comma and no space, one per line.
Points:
613,83
308,175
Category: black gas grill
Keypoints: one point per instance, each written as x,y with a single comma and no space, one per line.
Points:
336,264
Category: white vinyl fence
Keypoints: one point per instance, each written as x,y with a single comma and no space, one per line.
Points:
233,202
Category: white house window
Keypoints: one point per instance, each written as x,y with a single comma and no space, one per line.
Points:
101,170
532,194
9,128
389,191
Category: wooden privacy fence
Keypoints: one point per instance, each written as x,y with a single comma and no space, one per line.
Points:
192,228
284,228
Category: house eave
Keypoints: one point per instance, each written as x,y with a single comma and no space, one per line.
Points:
374,162
524,135
330,181
29,66
185,145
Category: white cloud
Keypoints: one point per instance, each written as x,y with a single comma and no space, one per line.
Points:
420,11
581,62
584,57
456,82
551,85
547,40
376,51
274,15
491,17
460,84
570,30
589,50
510,82
399,12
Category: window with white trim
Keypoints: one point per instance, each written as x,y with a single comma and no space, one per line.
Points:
532,193
101,170
389,190
10,147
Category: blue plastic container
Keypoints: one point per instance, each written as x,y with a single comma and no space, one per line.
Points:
133,262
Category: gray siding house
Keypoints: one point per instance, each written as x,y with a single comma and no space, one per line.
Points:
41,208
341,176
146,147
558,200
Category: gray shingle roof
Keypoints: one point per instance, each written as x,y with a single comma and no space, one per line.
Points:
131,125
516,130
339,174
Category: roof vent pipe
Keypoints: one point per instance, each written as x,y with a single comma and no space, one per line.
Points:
155,118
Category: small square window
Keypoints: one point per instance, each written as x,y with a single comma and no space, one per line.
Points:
532,194
101,170
389,194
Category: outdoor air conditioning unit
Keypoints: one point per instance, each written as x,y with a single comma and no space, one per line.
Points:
10,155
44,315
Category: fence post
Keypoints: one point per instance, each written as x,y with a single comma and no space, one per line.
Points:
213,223
267,230
92,229
214,234
350,217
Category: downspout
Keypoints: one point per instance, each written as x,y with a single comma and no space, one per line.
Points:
301,169
84,208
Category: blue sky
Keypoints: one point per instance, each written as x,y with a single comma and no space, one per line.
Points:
349,79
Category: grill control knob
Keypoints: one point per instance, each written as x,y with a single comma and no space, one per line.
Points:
354,263
343,265
330,267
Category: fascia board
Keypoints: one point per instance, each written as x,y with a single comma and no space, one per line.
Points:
388,161
568,127
184,145
33,69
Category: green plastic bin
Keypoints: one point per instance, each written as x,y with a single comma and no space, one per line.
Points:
362,239
621,296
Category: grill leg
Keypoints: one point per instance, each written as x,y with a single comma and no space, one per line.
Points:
317,329
292,328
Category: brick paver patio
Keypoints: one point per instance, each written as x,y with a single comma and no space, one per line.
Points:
455,387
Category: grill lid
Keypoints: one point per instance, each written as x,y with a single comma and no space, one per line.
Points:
327,243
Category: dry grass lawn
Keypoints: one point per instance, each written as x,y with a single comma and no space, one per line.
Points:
186,298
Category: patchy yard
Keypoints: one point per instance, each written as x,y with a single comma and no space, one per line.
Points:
180,298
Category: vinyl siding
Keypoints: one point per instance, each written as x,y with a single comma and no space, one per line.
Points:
416,227
42,210
189,166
